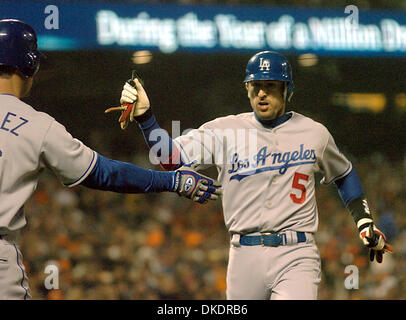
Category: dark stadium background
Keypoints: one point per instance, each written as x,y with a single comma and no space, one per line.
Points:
195,88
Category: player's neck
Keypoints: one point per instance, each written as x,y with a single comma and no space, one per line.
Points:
274,122
12,84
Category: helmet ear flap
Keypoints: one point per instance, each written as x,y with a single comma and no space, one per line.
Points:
285,91
31,64
290,96
288,91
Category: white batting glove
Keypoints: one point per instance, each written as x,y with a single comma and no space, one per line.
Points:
134,102
134,93
375,240
129,94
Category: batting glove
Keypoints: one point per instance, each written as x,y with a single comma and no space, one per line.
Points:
134,102
375,240
193,185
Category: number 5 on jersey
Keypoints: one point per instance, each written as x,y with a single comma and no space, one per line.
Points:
297,178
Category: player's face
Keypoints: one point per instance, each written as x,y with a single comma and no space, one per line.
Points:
266,97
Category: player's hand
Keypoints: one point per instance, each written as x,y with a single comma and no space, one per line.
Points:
134,102
375,240
133,92
195,186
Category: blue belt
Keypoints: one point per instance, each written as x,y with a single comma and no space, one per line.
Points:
272,240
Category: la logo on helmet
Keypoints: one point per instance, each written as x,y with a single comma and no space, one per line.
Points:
264,64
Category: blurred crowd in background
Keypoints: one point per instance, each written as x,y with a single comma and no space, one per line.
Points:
160,246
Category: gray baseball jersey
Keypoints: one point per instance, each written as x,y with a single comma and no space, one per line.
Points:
269,186
29,142
268,178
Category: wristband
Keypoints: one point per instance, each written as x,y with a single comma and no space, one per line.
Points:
144,117
360,212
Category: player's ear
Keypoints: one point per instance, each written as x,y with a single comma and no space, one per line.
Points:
246,87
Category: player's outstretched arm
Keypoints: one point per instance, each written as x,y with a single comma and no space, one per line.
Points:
123,177
352,195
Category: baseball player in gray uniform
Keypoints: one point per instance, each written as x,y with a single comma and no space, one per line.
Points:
31,141
266,161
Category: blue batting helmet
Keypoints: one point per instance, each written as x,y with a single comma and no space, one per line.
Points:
18,47
270,65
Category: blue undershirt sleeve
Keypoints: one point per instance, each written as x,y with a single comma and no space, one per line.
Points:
168,153
147,127
124,177
349,187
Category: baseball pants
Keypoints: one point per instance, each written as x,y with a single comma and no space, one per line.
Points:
285,272
13,278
